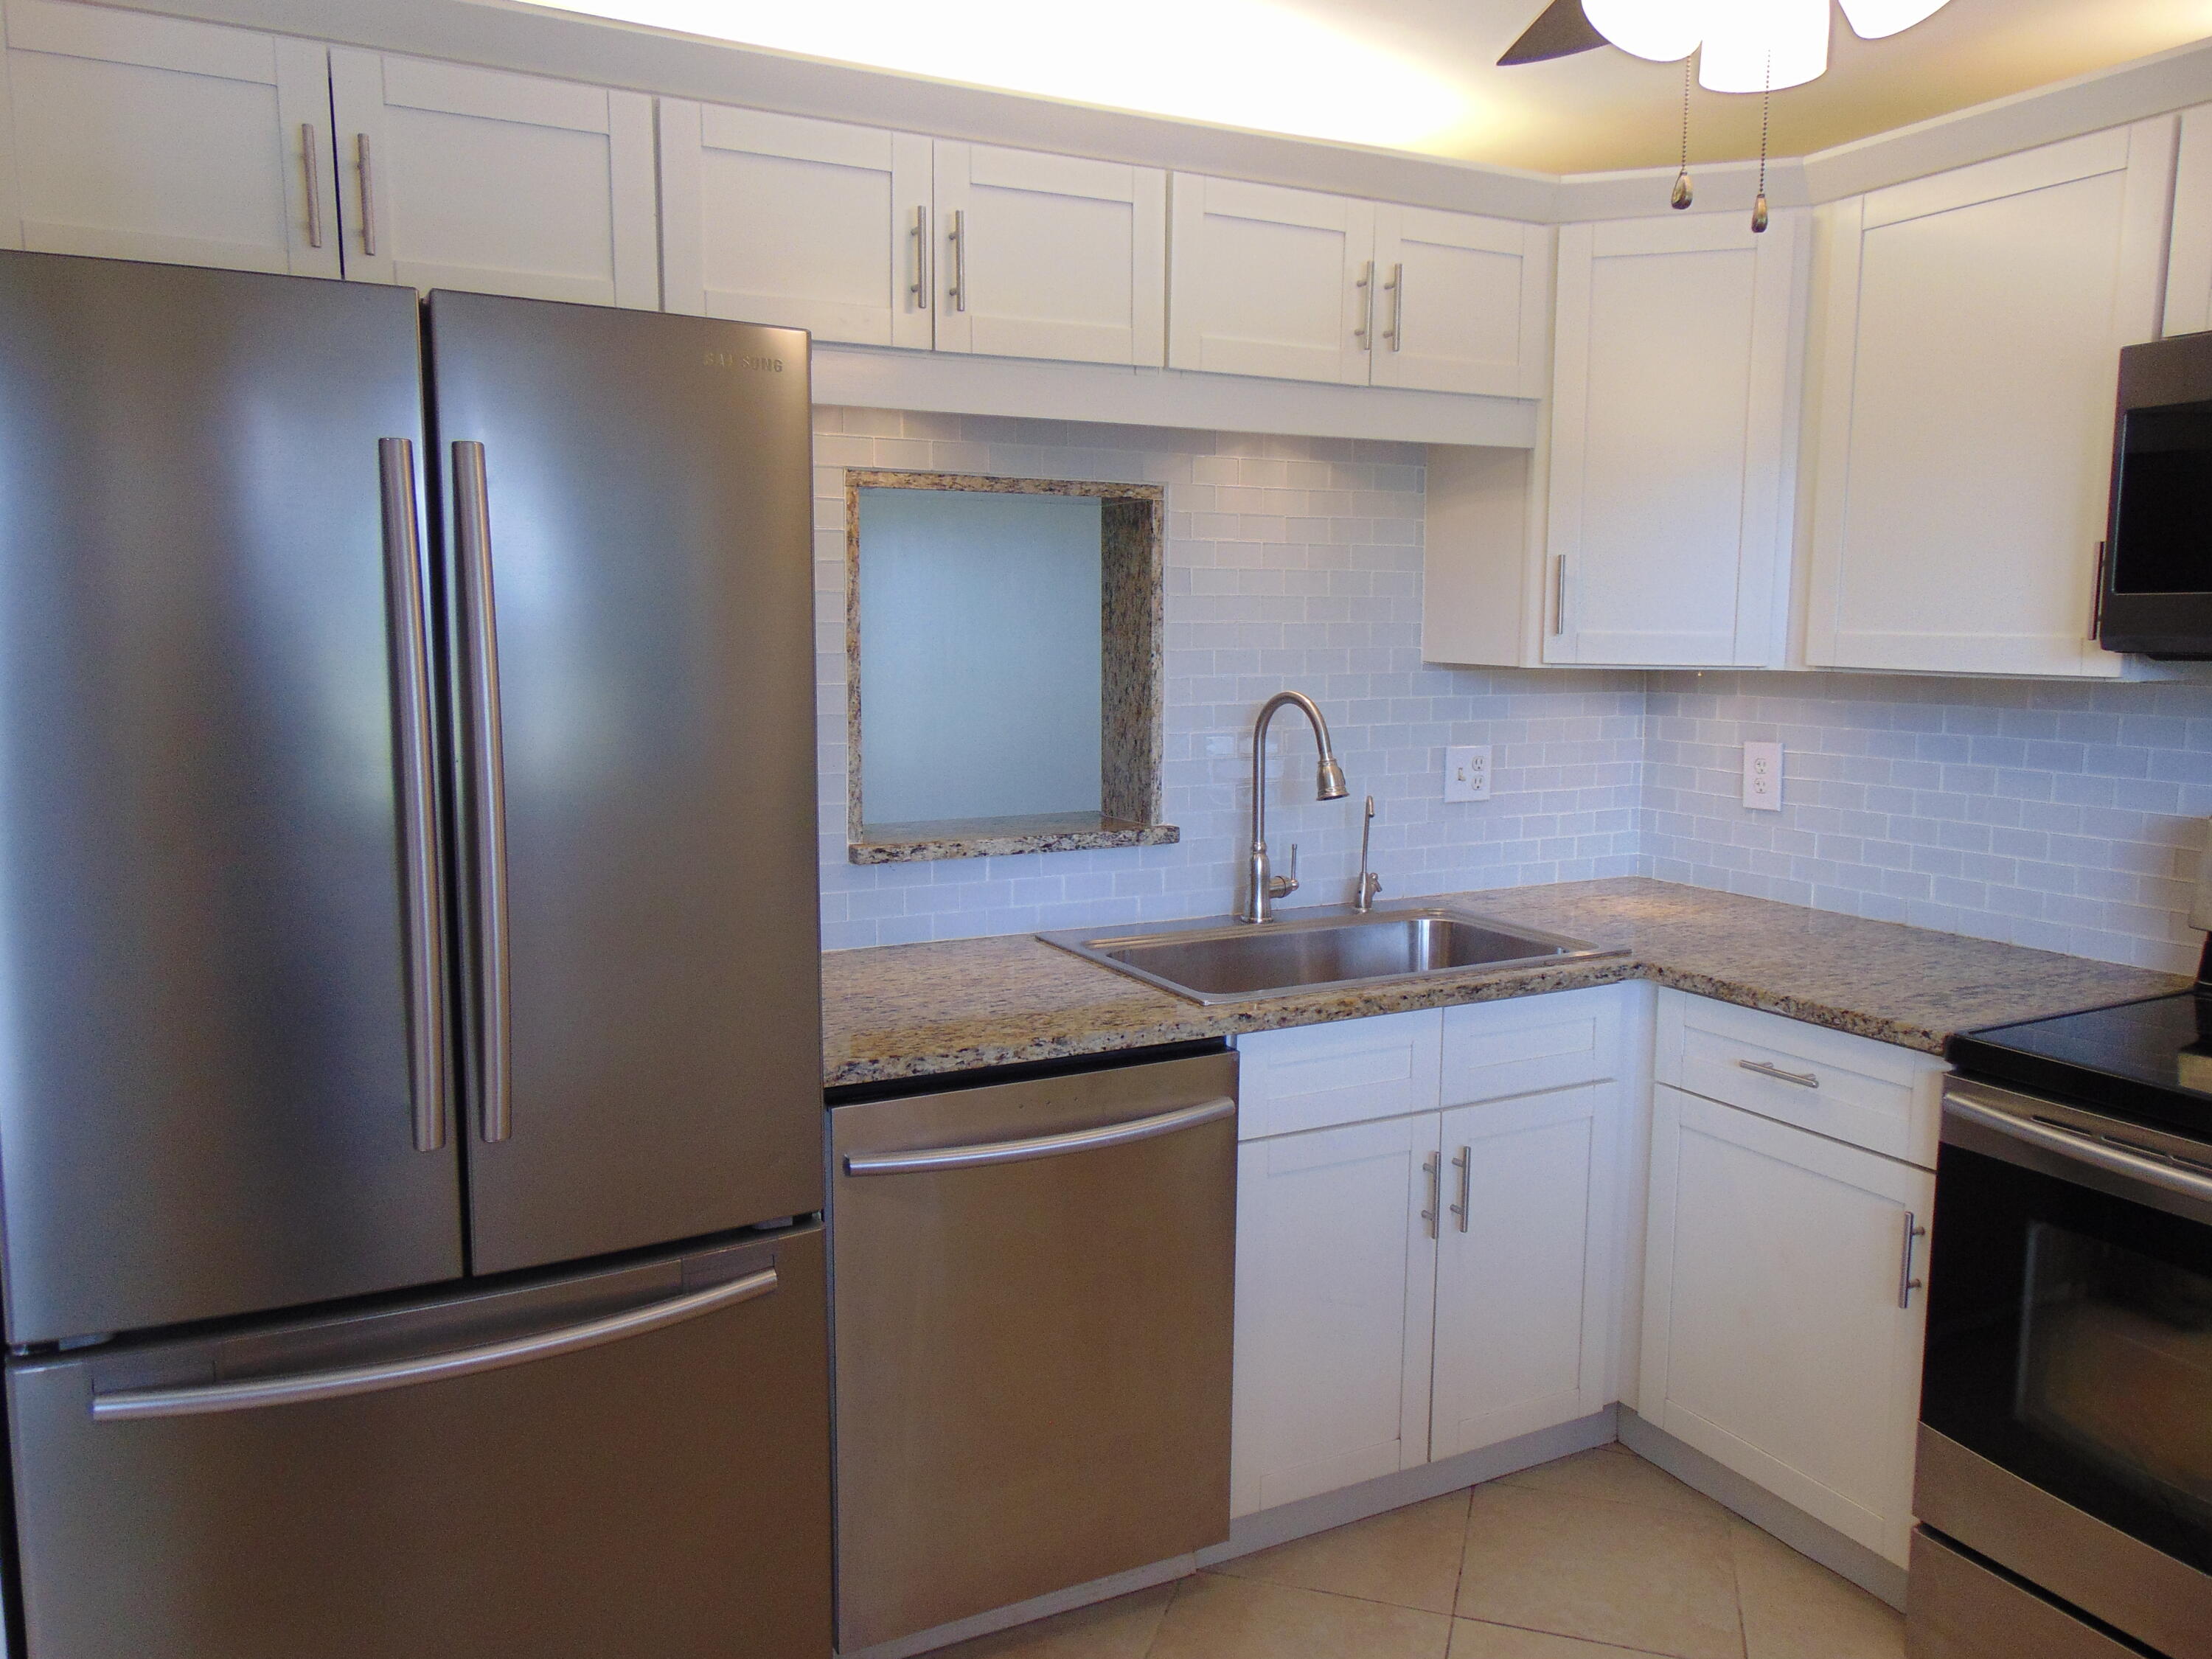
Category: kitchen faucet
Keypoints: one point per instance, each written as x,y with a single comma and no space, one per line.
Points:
1328,785
1369,884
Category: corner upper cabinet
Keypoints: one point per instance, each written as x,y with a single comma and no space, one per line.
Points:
2188,257
1298,285
142,138
1969,356
461,178
1672,484
801,223
1050,256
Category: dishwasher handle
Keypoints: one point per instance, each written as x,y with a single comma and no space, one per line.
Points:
1017,1152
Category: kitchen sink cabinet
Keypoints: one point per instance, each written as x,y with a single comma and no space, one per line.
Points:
1303,285
1970,326
141,138
1783,1321
1412,1282
1673,453
461,178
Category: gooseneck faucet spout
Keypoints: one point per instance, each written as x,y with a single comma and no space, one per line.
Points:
1265,885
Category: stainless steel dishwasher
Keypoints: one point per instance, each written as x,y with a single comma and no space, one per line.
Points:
1032,1291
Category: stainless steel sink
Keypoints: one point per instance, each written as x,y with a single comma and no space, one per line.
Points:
1223,960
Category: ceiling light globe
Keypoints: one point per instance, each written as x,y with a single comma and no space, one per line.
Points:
1664,31
1752,46
1872,20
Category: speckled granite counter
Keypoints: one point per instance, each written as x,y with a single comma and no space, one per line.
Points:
918,1009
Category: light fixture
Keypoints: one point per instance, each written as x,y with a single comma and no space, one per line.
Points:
1747,46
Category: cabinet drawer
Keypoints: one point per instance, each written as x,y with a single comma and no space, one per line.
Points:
1852,1089
1495,1049
1314,1076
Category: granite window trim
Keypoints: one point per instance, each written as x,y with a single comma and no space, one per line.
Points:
1132,661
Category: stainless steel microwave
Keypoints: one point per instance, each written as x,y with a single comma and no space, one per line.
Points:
2155,581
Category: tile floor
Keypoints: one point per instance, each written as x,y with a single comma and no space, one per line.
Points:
1599,1556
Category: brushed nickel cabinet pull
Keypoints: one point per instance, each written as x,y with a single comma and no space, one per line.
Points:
1559,596
1465,1165
1432,1167
959,294
1802,1079
1366,283
314,181
1907,1284
2097,598
1396,289
920,234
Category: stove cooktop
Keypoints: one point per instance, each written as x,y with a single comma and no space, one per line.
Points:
2149,1061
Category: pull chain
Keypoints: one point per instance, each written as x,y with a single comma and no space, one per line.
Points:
1766,110
1682,191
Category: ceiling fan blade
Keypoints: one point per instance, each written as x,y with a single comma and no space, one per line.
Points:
1560,31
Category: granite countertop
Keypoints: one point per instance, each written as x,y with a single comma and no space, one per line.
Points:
906,1010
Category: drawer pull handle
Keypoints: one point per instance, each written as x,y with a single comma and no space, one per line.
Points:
1907,1284
1802,1079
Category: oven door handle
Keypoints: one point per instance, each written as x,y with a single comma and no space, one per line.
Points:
2114,1160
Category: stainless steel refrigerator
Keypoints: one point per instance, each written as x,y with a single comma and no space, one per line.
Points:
410,1092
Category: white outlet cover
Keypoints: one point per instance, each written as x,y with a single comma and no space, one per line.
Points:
1762,776
1467,772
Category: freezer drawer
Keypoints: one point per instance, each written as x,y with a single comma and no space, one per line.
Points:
1033,1313
651,1483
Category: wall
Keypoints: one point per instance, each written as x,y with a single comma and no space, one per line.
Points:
2067,815
1290,561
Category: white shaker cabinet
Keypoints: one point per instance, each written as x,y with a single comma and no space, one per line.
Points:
2188,257
1304,286
462,178
1671,490
1050,256
1782,1323
1336,1289
142,138
800,223
1969,356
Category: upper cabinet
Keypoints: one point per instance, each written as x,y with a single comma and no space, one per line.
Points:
878,238
1050,256
1673,426
2189,262
1298,285
141,138
1969,359
800,223
474,178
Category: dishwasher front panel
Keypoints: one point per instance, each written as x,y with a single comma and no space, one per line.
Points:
653,1479
1032,1337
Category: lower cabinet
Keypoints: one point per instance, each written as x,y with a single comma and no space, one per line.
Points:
1419,1284
1782,1319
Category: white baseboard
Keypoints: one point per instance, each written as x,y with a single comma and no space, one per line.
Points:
1846,1557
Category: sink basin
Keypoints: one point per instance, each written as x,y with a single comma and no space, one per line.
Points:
1224,960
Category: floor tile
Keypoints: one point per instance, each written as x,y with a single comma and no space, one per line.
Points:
1471,1640
1619,1476
1409,1557
1216,1617
1120,1629
1793,1608
1630,1574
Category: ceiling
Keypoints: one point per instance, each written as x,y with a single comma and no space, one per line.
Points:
1422,75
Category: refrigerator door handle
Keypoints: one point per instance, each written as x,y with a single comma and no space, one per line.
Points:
128,1405
1017,1151
426,921
472,531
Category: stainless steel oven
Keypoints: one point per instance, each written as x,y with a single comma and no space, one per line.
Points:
2064,1486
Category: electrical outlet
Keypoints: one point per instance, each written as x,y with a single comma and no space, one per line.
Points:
1762,776
1467,772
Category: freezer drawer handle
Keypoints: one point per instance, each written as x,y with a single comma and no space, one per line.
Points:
131,1403
472,530
426,921
1017,1152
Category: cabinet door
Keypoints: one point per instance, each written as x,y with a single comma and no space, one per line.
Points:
1974,322
2189,257
139,137
1774,1337
1269,280
1335,1288
1671,495
1049,256
474,178
805,224
1463,302
1523,1300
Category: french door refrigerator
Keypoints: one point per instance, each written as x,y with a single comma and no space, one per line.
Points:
410,1090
